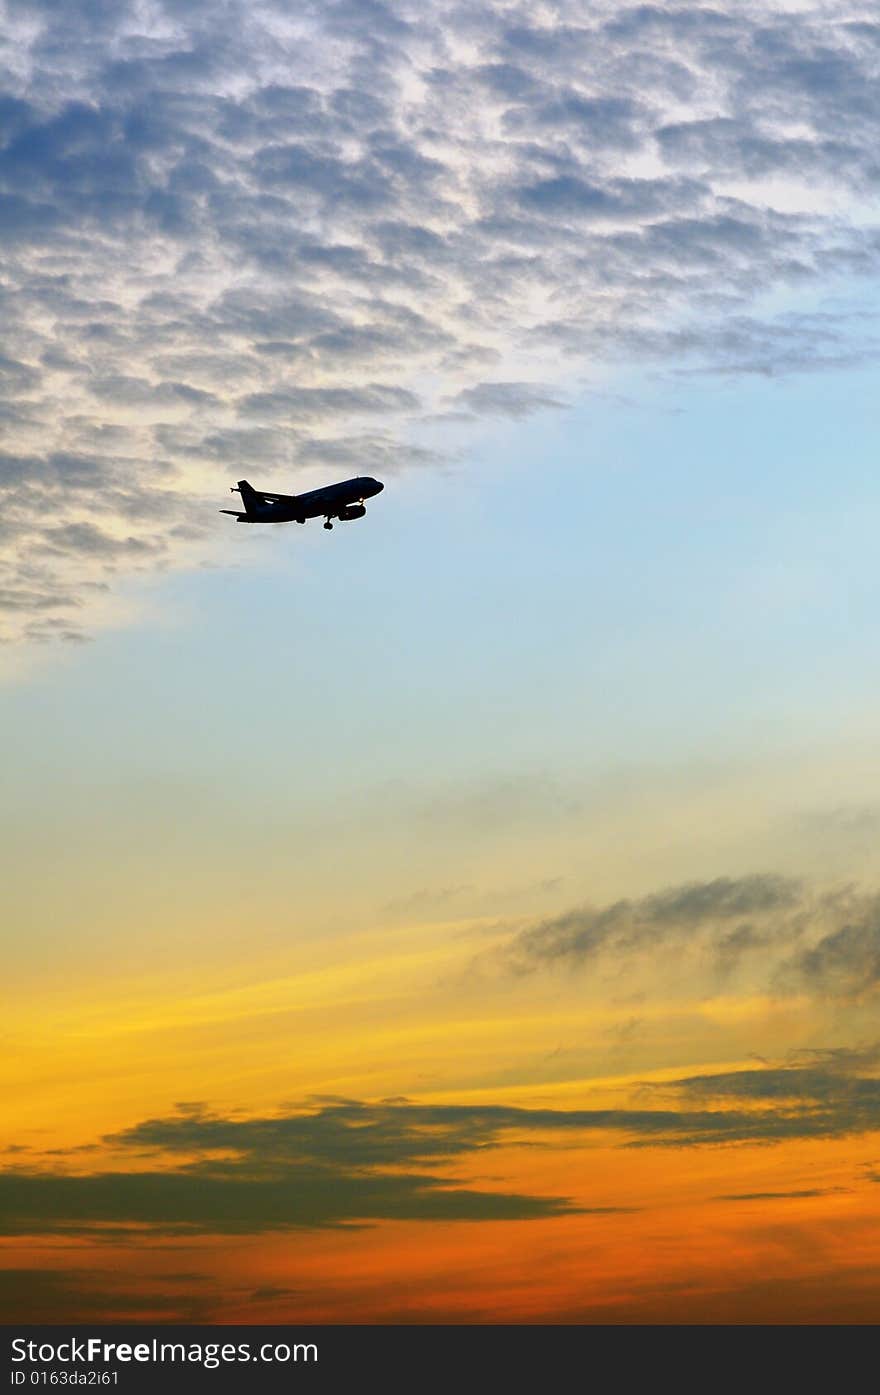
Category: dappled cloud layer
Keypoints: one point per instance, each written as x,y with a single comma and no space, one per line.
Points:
293,240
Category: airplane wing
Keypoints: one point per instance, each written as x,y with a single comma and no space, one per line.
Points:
267,497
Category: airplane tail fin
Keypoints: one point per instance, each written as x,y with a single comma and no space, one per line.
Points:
249,497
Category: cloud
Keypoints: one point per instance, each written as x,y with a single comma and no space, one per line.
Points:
816,1094
344,1163
845,963
506,399
677,914
297,403
796,1195
197,1201
790,937
339,1163
42,1295
257,224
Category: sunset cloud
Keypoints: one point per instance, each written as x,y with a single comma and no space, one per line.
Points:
352,1162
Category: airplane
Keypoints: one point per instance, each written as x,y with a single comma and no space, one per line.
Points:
343,501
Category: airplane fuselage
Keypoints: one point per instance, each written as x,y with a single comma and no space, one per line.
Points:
344,501
322,503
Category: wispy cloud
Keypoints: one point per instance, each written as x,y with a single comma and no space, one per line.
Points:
805,1193
794,937
675,914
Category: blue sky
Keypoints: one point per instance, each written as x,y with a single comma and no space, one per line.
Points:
676,566
604,607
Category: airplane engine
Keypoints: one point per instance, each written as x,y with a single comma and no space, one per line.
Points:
352,511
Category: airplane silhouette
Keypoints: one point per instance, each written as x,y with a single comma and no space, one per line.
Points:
344,501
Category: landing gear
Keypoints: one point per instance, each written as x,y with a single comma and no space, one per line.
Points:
328,524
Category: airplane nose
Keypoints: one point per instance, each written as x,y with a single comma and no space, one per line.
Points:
379,486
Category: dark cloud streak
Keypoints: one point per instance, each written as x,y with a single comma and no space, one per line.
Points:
675,915
800,940
345,1162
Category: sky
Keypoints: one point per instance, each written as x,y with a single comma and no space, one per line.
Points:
471,914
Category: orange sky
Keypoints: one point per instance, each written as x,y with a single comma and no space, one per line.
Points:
680,1254
671,1230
